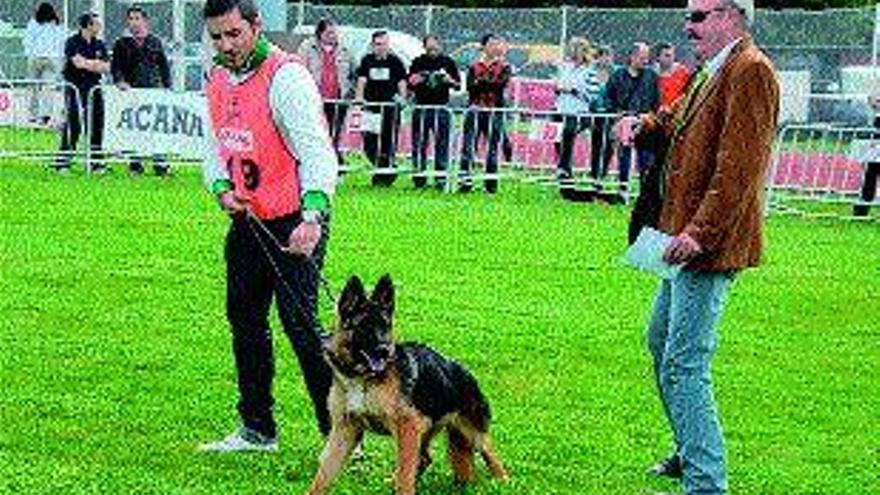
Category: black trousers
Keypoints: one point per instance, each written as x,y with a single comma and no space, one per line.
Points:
572,125
252,281
381,148
334,112
869,188
73,127
488,124
601,147
426,122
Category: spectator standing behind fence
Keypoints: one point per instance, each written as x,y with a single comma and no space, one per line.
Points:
85,63
872,168
487,79
381,78
332,66
576,88
672,77
431,76
44,48
711,200
601,144
139,61
633,90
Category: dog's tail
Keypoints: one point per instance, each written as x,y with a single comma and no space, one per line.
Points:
474,406
473,430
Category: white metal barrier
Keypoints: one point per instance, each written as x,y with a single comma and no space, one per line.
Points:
820,170
34,119
468,145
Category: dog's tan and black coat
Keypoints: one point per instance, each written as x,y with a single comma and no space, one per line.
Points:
406,390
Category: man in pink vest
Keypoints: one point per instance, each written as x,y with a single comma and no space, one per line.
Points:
274,172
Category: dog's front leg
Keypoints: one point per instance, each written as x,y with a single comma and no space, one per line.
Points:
408,432
340,443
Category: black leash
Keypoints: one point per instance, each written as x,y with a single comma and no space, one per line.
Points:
252,221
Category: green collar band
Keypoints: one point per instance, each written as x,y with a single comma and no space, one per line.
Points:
254,60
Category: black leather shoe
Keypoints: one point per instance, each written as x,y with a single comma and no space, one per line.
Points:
611,198
669,467
577,195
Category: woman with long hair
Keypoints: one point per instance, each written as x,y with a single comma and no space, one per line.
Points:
44,48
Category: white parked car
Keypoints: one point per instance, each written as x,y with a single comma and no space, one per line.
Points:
357,41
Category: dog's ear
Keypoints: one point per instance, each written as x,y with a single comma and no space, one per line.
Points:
383,295
353,296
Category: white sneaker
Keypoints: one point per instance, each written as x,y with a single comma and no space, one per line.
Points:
357,453
242,440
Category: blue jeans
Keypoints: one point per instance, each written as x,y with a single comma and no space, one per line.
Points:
682,340
425,122
488,123
644,159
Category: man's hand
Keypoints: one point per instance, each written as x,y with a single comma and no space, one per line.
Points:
415,79
231,203
627,128
682,249
78,61
304,238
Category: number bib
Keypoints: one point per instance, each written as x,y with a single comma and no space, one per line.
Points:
262,168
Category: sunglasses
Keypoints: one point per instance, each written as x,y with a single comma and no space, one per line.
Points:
698,16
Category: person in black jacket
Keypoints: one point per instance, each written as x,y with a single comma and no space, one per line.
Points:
431,76
85,62
381,84
633,90
872,170
487,79
139,61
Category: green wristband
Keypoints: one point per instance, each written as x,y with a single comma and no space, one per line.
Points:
221,186
316,200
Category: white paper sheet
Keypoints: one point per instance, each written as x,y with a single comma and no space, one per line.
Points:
647,254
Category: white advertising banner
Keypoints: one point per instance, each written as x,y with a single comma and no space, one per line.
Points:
155,121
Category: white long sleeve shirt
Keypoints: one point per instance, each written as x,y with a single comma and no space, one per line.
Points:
44,40
582,79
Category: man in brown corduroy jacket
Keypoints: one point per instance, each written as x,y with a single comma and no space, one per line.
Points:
709,195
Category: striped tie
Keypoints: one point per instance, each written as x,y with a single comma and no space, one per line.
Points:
696,84
694,88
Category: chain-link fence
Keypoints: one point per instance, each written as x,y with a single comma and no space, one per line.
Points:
817,46
819,42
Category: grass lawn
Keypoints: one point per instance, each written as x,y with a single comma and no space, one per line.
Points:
116,358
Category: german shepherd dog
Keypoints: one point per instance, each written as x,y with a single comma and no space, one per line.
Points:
406,390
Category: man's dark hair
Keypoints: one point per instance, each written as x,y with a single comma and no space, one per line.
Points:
604,50
323,25
46,13
379,34
659,47
86,19
136,9
487,38
216,8
429,37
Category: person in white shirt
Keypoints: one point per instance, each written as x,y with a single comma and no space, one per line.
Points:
44,48
577,86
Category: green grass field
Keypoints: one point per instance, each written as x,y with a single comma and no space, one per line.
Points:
116,359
